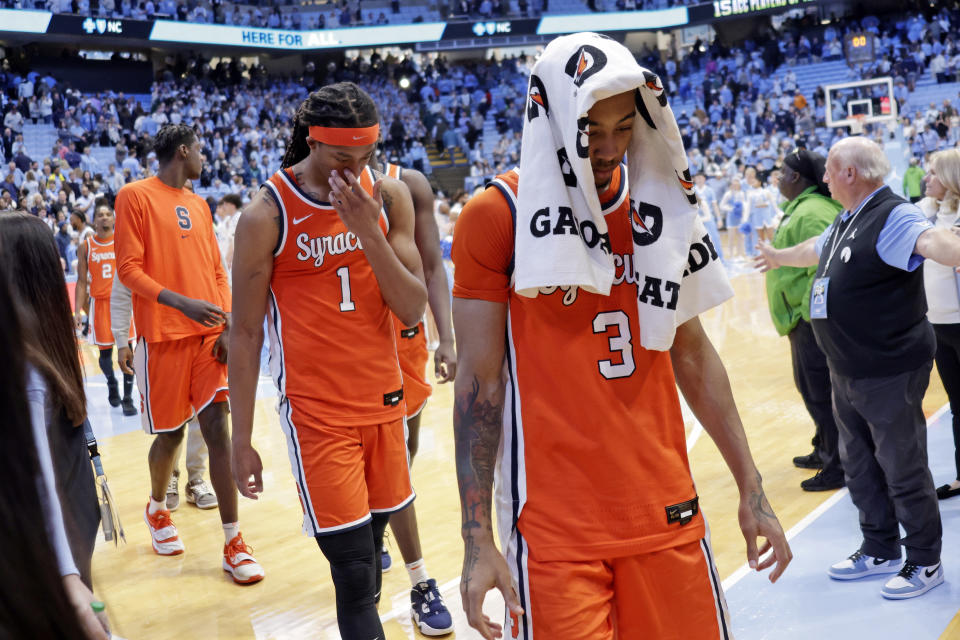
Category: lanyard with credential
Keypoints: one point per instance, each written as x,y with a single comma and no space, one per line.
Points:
837,240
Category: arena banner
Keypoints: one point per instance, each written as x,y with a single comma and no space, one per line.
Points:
231,36
21,21
719,9
100,27
614,21
490,28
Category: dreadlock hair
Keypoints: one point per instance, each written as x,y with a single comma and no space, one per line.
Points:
169,139
343,104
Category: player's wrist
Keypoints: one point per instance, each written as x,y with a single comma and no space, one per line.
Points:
479,535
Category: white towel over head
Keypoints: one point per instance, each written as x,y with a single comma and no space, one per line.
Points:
672,252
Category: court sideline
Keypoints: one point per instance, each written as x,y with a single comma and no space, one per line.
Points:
190,597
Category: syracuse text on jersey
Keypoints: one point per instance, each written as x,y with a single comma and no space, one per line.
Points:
655,291
318,248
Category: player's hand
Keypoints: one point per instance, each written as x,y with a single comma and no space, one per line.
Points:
95,626
220,346
201,311
757,520
247,470
445,362
483,569
358,209
78,321
125,359
767,259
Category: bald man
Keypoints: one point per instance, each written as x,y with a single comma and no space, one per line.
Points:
868,312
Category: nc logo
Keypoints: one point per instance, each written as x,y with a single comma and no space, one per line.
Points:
485,28
99,25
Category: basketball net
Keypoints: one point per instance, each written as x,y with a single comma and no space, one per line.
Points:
856,124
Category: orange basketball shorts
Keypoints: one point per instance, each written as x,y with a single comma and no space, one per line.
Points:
343,474
671,594
177,379
413,355
101,335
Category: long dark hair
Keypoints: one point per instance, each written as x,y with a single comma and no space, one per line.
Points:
34,603
31,259
343,104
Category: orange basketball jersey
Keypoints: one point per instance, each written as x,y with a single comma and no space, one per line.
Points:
393,170
411,348
101,263
594,461
332,346
165,240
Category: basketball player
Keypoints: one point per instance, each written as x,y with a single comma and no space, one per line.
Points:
167,255
427,607
96,263
198,491
606,539
329,253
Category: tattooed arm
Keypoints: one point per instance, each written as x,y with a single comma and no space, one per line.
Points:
477,426
703,380
258,230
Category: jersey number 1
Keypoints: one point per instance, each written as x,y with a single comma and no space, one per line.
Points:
346,304
619,343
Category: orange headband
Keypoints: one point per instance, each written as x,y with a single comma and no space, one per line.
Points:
346,136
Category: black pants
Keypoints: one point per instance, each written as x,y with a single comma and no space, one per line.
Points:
812,377
78,492
883,445
948,364
355,567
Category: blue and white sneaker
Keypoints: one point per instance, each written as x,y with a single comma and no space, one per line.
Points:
428,610
860,565
385,560
912,581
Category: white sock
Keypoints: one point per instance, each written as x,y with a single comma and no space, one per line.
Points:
156,505
417,570
231,530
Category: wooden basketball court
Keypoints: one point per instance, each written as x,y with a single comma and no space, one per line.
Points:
189,596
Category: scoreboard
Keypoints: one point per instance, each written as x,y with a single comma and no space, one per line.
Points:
860,47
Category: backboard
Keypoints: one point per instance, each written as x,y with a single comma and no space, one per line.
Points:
872,99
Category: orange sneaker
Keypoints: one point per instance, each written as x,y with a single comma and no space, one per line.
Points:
163,533
239,563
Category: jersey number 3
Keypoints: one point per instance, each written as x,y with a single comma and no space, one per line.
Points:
619,343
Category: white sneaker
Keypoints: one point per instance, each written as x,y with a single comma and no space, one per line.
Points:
200,494
163,533
239,562
912,581
860,565
173,491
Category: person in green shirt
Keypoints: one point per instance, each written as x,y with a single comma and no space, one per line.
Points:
808,210
913,180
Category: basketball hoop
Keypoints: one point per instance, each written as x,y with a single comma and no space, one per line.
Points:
856,124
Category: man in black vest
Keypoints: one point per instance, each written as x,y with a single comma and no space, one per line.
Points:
868,312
